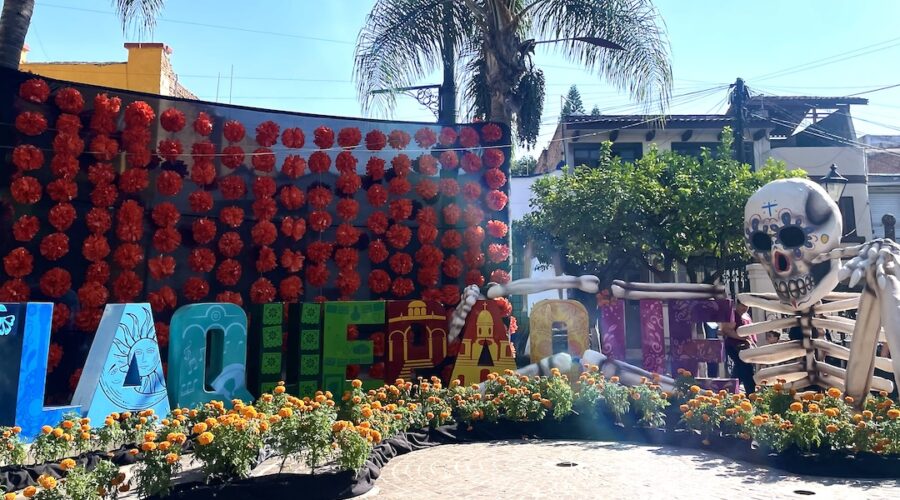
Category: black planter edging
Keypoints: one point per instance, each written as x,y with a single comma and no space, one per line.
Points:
17,477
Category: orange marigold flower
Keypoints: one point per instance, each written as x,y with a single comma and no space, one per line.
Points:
834,392
171,458
796,406
356,383
831,428
29,492
279,389
695,389
67,464
893,414
205,438
148,446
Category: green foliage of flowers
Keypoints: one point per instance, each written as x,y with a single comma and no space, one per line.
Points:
614,398
649,401
12,451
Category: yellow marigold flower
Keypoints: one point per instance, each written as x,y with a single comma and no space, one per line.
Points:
29,492
614,379
536,396
47,482
150,436
9,496
730,412
57,432
148,446
796,406
739,420
205,438
171,458
695,389
68,424
67,464
85,436
834,392
831,412
199,428
746,405
357,383
848,400
831,428
757,420
163,446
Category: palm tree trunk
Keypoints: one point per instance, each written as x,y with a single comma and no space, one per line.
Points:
14,22
504,63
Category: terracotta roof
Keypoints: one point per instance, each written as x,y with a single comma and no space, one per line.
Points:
884,163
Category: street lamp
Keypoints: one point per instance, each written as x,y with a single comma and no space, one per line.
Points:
834,183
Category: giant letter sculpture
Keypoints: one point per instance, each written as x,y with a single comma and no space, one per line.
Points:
337,351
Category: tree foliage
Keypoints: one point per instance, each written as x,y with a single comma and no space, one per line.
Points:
595,111
523,167
572,104
662,210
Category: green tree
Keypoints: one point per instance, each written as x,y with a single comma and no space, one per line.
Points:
16,18
405,41
523,167
572,104
665,209
595,111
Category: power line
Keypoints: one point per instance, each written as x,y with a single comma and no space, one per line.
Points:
861,51
876,90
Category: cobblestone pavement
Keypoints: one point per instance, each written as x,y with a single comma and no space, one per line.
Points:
520,469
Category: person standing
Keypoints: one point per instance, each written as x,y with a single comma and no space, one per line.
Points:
734,344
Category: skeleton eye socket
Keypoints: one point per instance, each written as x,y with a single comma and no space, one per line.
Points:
792,237
761,242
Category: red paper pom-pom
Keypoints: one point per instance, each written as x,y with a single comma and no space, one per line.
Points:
426,215
139,114
106,113
290,289
26,228
26,190
204,151
428,164
375,168
263,159
128,255
347,209
293,228
319,197
264,187
34,90
203,124
293,138
402,165
135,137
398,139
452,267
427,233
379,281
498,252
104,195
375,140
31,123
495,178
447,137
267,133
232,156
473,215
163,299
346,235
200,201
317,275
376,195
204,230
230,297
346,258
349,137
496,200
95,248
266,261
427,277
61,315
402,287
468,137
347,282
474,236
449,160
165,214
161,267
170,149
491,132
172,120
14,290
400,209
69,100
232,187
139,157
166,239
65,166
323,137
378,252
451,239
291,197
92,294
203,173
134,180
62,216
471,163
231,244
319,162
229,272
97,271
232,216
54,357
471,191
88,319
497,229
398,186
56,282
398,236
264,208
62,190
169,183
425,137
291,261
348,183
101,173
451,214
429,256
294,166
195,288
500,276
473,258
18,263
201,260
319,251
264,233
377,222
319,220
234,131
27,157
449,187
474,277
493,158
345,162
69,124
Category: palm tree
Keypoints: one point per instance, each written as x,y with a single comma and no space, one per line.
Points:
16,17
404,41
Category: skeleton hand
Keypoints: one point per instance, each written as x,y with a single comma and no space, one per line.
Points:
884,254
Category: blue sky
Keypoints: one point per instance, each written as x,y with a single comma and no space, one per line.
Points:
298,54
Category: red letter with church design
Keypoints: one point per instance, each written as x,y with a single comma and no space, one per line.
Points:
485,345
416,339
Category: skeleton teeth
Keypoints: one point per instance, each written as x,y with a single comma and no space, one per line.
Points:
795,288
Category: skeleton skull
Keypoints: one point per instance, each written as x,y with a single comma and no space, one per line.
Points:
787,223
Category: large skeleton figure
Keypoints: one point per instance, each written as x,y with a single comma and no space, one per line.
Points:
793,228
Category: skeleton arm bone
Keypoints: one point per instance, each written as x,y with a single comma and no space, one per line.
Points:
766,326
666,291
586,283
763,302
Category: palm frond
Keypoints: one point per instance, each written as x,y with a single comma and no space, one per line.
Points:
401,43
530,93
139,15
642,69
477,91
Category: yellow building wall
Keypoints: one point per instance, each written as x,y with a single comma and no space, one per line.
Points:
142,72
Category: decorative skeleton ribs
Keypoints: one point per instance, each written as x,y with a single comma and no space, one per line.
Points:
793,229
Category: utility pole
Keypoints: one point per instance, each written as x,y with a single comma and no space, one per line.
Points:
739,96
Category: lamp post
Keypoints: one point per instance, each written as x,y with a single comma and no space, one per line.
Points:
834,183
